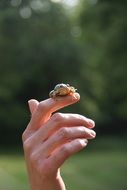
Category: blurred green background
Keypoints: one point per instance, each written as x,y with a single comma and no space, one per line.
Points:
80,42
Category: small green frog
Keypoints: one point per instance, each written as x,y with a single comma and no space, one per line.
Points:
62,90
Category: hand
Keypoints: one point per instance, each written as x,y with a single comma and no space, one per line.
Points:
50,139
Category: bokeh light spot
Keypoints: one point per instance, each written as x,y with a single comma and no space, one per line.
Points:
76,31
25,12
71,3
38,5
56,1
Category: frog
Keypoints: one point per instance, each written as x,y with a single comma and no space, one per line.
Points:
62,90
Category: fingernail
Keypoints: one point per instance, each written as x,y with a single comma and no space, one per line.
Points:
85,141
76,96
32,104
93,134
91,123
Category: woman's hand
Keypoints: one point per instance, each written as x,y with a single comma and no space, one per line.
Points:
50,139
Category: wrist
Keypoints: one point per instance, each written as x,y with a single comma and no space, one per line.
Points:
54,183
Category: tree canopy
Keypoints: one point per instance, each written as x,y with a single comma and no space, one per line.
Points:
37,52
40,46
104,37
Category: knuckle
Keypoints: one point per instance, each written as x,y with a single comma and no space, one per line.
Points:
24,136
26,133
64,133
42,107
57,118
33,158
27,146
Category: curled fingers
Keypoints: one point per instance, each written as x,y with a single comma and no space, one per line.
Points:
62,136
59,120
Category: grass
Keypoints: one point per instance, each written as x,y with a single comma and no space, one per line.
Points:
98,171
12,172
96,168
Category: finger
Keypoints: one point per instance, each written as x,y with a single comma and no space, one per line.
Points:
47,107
33,104
59,120
59,156
63,135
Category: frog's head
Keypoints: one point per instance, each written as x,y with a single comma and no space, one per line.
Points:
61,86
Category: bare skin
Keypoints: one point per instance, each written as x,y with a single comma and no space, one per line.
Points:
50,139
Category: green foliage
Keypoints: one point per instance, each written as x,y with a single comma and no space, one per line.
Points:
37,52
41,46
104,38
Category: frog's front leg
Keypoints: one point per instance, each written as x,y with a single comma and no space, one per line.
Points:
51,94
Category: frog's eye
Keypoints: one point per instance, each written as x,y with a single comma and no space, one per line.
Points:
60,85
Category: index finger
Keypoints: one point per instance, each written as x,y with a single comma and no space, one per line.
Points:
48,106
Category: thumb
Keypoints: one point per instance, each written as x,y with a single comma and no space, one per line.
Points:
33,104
